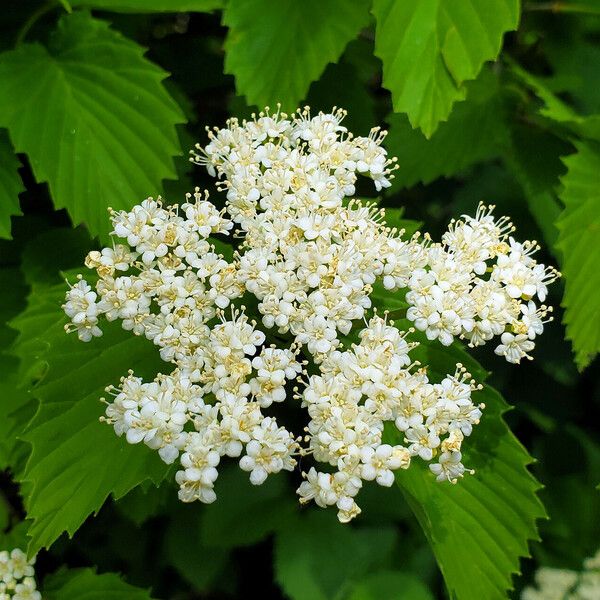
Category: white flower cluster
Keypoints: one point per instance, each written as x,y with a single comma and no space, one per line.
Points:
17,576
308,257
478,284
356,392
172,284
306,265
176,267
563,584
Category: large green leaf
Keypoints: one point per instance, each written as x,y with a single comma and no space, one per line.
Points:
430,48
92,115
10,185
76,462
318,558
579,242
41,257
148,6
480,527
474,132
86,584
276,49
263,509
202,566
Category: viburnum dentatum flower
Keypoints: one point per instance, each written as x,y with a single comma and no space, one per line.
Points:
305,266
17,576
479,284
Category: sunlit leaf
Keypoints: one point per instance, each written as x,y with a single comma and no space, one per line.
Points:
578,240
104,135
276,49
429,49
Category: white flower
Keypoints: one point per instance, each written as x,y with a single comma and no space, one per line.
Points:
268,452
514,347
449,467
17,576
532,319
199,462
379,463
26,590
422,441
83,311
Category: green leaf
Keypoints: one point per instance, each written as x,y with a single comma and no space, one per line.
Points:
263,509
579,235
144,502
10,185
200,565
76,462
13,537
16,410
41,259
480,527
149,6
383,300
474,132
390,585
104,134
14,291
430,48
53,251
13,400
86,584
276,49
317,558
555,109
